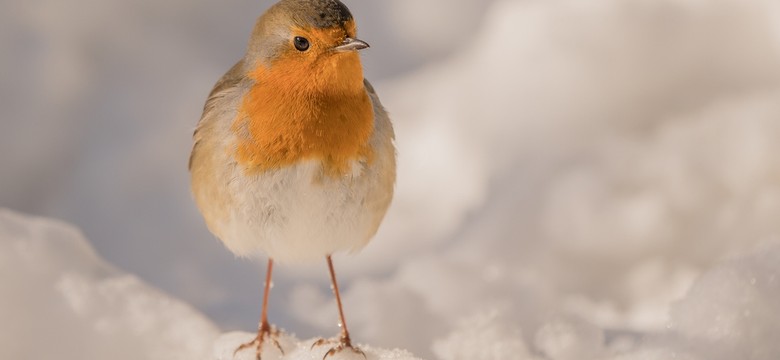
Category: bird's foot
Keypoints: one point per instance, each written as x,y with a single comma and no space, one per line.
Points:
266,334
338,345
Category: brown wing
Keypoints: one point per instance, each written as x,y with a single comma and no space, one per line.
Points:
230,80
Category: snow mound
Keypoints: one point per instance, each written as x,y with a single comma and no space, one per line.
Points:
483,337
295,349
60,300
731,312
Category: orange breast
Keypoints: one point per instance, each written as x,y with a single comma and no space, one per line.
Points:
300,111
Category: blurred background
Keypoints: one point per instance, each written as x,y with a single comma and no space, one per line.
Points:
556,156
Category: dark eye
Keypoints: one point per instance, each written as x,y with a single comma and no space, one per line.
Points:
301,43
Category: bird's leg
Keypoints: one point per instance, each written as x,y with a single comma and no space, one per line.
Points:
264,331
344,342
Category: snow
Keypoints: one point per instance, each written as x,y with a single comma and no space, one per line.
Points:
730,312
61,301
482,337
295,349
58,292
578,179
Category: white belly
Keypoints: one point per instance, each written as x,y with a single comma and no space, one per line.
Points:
296,214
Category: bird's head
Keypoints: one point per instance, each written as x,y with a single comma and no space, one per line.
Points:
308,99
308,44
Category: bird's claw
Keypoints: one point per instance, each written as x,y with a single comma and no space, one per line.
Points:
267,333
341,345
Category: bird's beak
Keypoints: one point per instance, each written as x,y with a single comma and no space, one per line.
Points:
351,44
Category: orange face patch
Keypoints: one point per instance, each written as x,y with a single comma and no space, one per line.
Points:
306,105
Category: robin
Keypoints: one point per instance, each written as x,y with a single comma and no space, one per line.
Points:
293,156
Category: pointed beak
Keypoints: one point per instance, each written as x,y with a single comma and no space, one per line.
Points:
351,44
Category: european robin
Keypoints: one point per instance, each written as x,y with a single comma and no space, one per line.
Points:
293,156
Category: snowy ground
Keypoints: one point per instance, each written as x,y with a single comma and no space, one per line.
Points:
295,349
60,300
578,180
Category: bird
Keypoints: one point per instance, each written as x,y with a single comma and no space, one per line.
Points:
294,156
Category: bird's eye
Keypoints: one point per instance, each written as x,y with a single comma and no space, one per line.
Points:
301,43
